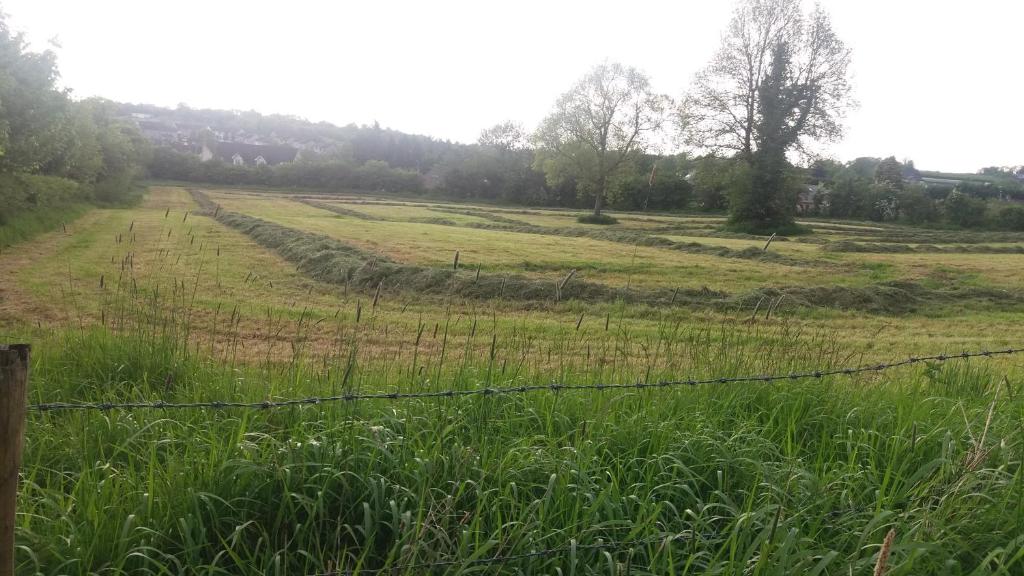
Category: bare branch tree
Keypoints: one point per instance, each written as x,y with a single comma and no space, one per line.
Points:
779,82
721,112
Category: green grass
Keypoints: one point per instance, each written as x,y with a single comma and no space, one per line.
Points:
31,223
783,478
612,261
792,477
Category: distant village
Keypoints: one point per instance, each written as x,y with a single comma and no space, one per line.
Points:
236,147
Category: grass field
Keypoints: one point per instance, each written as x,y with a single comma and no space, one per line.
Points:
231,295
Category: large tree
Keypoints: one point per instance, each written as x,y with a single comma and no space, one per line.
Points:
598,127
889,172
778,83
506,136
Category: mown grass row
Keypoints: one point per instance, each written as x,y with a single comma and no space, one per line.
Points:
895,248
629,237
339,209
336,262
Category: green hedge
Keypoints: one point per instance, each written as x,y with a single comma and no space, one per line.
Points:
26,192
31,204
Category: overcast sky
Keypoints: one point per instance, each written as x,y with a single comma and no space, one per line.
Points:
939,81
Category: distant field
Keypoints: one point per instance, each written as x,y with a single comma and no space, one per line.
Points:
405,232
255,296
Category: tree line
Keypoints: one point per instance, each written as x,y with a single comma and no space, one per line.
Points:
501,167
778,83
54,150
887,190
777,86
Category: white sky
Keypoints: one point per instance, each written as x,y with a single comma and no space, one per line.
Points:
940,82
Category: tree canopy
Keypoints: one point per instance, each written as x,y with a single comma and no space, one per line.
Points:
778,83
598,126
80,145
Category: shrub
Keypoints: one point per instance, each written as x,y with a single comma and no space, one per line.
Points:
1011,218
916,206
602,219
963,210
20,192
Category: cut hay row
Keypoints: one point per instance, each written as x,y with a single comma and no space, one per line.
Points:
896,248
632,238
341,210
642,239
335,262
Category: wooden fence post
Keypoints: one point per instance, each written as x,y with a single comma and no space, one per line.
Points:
13,388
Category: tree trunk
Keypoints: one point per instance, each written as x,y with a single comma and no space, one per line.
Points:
599,199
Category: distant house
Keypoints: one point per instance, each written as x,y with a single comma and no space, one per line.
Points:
245,154
807,200
949,182
160,132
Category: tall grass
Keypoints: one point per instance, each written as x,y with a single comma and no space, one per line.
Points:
787,478
30,223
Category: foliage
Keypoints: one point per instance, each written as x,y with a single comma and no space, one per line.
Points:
358,144
864,167
1011,218
852,194
824,170
889,172
722,109
374,175
713,178
779,81
597,128
766,196
916,207
600,219
498,171
55,152
963,210
20,192
652,183
506,136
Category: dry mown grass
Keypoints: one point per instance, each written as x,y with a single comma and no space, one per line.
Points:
57,282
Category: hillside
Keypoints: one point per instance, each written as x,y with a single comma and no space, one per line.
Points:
185,129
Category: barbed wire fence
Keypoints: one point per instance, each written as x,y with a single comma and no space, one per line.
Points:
21,409
554,387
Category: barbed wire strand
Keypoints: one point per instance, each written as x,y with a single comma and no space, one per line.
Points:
553,387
